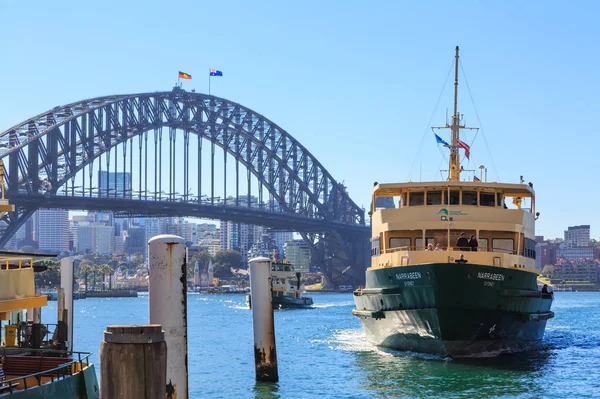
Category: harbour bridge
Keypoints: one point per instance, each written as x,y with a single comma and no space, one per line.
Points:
178,149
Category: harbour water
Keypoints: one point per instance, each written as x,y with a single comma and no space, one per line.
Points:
322,352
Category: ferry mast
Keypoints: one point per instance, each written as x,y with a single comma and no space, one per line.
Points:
454,162
454,154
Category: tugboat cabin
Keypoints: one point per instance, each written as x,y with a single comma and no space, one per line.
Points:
416,223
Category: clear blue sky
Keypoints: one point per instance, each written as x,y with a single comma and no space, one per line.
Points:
356,82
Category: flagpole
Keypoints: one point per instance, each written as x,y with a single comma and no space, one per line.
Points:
209,81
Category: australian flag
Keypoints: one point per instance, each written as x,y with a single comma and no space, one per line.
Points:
214,72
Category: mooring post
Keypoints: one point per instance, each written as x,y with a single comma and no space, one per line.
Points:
167,292
265,353
133,362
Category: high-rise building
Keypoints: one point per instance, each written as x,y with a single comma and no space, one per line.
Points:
135,241
154,227
297,253
239,237
53,230
280,238
114,184
96,239
578,236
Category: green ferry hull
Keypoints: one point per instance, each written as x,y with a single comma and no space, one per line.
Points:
283,302
452,309
80,385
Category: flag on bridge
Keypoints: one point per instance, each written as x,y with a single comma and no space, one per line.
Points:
214,72
183,75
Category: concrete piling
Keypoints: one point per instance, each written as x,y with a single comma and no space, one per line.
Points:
66,283
167,292
133,362
265,353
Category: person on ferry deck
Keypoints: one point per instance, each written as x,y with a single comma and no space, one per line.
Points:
473,243
461,259
463,244
438,247
429,247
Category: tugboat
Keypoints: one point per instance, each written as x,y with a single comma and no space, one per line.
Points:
286,288
453,268
35,359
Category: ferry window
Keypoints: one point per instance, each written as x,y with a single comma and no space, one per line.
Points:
454,196
419,243
469,197
434,198
503,245
416,198
529,248
403,202
499,196
375,247
487,199
483,244
396,242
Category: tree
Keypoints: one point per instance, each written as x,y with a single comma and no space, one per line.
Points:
106,269
221,270
229,259
85,268
137,259
50,277
549,271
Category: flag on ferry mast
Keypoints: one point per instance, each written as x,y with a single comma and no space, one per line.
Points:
476,179
183,75
465,146
439,140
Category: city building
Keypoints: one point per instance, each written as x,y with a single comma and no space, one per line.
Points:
213,245
52,230
545,254
135,240
97,239
280,238
154,227
297,253
239,237
578,236
113,184
580,270
574,253
266,247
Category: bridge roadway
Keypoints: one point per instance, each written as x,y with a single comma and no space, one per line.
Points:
150,208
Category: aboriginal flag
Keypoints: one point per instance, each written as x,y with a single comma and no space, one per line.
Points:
183,75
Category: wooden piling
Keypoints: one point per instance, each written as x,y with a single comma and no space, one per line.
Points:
133,362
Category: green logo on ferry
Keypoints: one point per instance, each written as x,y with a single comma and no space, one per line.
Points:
445,211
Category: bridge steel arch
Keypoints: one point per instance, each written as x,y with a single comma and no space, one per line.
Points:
44,154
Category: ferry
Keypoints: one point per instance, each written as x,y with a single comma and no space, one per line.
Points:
286,288
452,266
36,360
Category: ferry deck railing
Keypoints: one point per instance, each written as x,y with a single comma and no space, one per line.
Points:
57,373
458,249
